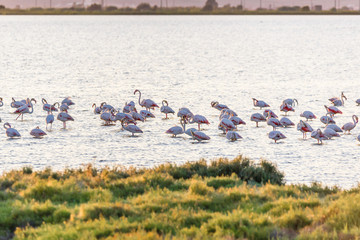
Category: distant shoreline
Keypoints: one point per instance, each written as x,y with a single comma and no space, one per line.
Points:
176,11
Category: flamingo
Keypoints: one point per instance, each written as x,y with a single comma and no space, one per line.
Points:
11,132
330,133
332,110
129,105
276,135
338,101
147,103
166,109
37,132
146,114
304,127
131,128
350,126
270,113
218,106
199,119
108,117
319,136
237,121
291,102
259,103
188,131
184,112
97,110
334,127
285,122
16,104
125,116
257,117
274,122
64,117
227,112
308,115
199,136
226,124
358,138
64,107
68,101
1,102
25,108
233,136
105,106
176,130
286,108
326,119
48,107
137,116
49,120
358,102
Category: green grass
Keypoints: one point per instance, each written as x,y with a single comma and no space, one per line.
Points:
221,199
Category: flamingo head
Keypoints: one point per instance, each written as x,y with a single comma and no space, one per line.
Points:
33,100
136,91
94,105
7,125
43,100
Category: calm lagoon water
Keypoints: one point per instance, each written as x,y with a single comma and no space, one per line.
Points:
190,61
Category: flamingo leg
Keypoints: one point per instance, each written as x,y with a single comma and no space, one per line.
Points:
64,124
166,116
199,126
257,124
22,117
18,117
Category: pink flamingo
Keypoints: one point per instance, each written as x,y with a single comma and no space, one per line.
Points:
166,109
37,132
257,117
308,115
25,108
332,110
304,127
218,106
350,126
259,103
319,135
199,136
276,135
199,119
64,117
286,108
131,128
147,103
233,136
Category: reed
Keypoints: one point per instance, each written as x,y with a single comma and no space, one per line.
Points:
219,199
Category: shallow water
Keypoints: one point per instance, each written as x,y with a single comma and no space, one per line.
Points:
190,61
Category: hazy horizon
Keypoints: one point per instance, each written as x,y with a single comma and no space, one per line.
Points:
250,5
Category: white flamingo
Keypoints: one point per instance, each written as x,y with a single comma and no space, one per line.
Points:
166,109
319,136
350,125
308,115
218,106
147,103
64,117
37,132
276,135
257,117
11,132
131,128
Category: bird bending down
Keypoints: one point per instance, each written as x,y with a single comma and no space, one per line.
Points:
176,130
218,106
304,127
319,136
11,132
257,117
131,128
276,135
338,101
37,132
259,103
199,119
25,108
199,136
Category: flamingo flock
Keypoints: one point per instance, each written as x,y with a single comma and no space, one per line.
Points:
229,121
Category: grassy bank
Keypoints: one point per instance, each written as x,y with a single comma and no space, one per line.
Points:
222,200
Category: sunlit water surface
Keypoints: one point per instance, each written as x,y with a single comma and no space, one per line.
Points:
190,61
